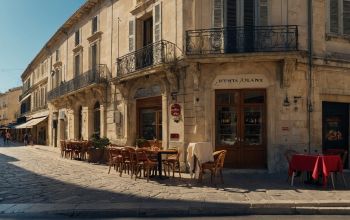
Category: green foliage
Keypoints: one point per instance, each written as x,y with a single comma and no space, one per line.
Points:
140,142
98,142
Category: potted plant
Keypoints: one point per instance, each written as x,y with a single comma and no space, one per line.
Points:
141,142
97,152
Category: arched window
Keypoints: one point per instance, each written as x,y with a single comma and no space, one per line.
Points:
97,115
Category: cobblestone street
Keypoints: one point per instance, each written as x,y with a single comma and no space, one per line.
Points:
37,174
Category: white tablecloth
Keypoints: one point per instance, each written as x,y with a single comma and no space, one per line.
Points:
203,152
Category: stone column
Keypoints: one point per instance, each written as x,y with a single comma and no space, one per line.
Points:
103,123
85,123
165,121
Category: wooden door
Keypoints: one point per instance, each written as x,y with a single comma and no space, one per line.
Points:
240,127
149,111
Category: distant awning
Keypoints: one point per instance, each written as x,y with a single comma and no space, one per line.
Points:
31,123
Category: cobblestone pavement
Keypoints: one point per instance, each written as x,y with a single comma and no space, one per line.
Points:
37,174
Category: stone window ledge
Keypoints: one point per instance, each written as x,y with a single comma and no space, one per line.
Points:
338,38
95,36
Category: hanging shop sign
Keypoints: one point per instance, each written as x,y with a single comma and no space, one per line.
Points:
175,111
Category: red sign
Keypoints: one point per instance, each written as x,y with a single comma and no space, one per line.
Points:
174,136
175,110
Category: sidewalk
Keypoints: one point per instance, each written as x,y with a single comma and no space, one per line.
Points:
37,181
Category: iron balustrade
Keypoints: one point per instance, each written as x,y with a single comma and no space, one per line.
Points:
242,39
157,53
97,75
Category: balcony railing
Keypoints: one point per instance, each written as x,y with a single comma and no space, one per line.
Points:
153,54
98,75
242,40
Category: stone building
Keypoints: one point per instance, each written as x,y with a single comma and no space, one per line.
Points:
33,109
255,77
9,106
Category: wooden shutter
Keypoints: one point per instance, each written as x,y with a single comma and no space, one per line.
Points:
263,13
249,13
132,24
218,8
231,13
157,24
346,17
334,16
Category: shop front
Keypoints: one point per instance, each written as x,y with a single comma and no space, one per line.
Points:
335,132
240,121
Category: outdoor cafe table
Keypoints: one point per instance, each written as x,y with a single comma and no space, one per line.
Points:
159,158
316,164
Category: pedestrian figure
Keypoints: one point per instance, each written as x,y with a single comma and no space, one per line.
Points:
3,135
26,138
8,137
30,139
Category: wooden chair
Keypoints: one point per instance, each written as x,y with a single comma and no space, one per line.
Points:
143,163
115,159
173,162
63,148
214,167
131,160
127,160
68,149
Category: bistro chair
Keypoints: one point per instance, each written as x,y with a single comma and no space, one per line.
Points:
144,163
131,162
68,149
115,159
215,167
173,162
63,148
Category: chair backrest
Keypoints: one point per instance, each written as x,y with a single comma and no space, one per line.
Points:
289,154
141,155
63,144
113,152
220,159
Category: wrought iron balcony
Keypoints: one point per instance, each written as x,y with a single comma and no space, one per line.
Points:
242,40
160,52
98,75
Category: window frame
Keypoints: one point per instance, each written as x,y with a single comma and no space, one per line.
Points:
77,38
92,24
340,19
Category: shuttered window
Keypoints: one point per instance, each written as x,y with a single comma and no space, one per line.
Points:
334,16
157,25
339,17
263,12
346,17
218,13
132,35
249,12
231,13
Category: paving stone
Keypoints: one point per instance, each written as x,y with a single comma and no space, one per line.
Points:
38,175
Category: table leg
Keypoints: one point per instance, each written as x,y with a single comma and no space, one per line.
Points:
159,158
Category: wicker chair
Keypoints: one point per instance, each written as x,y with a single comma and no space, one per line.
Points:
144,163
214,167
172,162
115,159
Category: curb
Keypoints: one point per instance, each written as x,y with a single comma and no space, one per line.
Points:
180,209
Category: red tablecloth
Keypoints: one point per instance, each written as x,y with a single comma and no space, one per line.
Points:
316,164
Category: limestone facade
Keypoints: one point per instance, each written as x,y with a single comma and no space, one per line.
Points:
110,56
9,106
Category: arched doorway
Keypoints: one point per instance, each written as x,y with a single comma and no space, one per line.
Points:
97,119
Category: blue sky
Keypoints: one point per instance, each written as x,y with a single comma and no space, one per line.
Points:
25,26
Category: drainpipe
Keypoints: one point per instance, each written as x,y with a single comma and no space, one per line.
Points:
310,50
